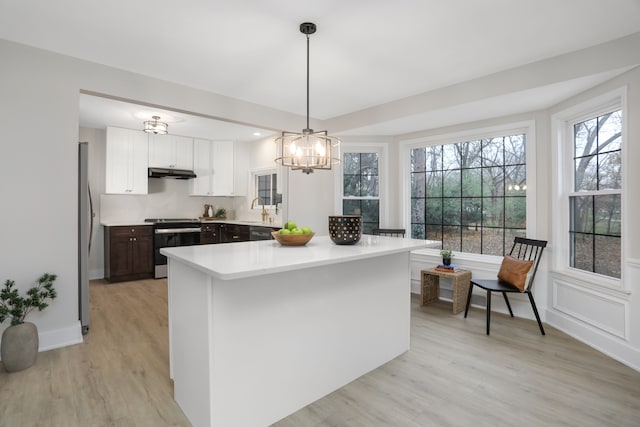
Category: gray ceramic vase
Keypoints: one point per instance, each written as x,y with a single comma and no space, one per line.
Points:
19,347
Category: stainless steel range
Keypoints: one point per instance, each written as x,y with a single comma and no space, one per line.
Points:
171,232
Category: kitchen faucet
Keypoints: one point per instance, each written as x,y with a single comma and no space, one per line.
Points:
265,214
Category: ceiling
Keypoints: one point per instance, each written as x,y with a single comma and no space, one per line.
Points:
366,53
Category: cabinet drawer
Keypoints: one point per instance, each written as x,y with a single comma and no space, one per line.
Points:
130,231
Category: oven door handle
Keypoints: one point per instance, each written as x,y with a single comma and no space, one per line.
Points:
177,230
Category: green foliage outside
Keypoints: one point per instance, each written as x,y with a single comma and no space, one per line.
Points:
470,195
361,188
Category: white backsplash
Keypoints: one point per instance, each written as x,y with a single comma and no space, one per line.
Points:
167,198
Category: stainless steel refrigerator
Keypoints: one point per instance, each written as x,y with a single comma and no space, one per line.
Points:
85,234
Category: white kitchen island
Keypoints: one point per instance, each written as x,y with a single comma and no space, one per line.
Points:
258,330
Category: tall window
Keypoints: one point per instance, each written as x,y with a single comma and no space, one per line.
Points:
470,195
360,192
595,203
266,188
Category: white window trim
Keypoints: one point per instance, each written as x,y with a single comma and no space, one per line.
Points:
382,149
528,128
252,186
562,162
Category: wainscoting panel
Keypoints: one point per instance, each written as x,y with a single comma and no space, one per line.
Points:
599,310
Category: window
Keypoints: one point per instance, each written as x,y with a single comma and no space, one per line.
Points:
360,188
470,195
595,203
267,188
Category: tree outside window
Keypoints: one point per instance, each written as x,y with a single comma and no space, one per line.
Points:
360,190
266,188
595,203
470,195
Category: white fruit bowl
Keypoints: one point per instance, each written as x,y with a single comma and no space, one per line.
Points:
292,239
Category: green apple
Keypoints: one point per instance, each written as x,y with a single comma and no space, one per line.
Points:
290,225
296,231
306,230
284,231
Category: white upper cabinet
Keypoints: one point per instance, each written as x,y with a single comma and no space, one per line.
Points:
224,168
202,184
127,161
214,166
170,151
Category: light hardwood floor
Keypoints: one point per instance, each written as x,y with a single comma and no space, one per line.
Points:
454,375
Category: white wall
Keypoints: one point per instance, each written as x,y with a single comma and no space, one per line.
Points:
603,318
38,185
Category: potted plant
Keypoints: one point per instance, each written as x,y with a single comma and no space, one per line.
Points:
19,345
446,256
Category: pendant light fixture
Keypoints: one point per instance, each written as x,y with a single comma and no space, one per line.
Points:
156,127
308,150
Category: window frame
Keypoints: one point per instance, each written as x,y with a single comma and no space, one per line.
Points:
255,173
563,183
528,128
382,150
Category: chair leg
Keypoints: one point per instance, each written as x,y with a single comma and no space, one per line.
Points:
488,310
504,294
535,311
466,309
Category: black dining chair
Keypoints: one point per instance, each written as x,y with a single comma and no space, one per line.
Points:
523,249
393,232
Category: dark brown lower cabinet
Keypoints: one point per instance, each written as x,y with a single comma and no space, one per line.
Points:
209,234
128,252
230,233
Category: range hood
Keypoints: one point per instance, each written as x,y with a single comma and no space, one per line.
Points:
171,173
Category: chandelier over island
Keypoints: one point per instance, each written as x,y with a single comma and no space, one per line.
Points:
308,150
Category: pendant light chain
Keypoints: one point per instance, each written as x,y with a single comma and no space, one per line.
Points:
308,36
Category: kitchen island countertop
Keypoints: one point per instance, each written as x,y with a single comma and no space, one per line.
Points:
248,259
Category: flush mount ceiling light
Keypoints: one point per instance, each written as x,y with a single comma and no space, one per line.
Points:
154,126
308,150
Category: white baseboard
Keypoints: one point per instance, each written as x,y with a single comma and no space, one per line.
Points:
96,274
593,337
57,338
60,337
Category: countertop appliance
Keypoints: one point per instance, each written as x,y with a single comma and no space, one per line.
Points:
171,232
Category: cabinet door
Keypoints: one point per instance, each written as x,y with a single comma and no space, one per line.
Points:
120,256
230,233
202,166
183,152
170,151
160,148
142,255
126,161
210,234
223,168
139,163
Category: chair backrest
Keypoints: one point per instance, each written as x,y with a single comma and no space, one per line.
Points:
393,232
528,249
